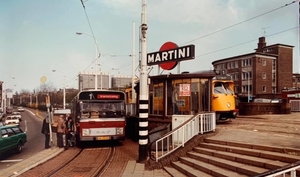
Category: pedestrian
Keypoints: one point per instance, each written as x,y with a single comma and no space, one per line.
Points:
46,131
69,131
174,100
60,131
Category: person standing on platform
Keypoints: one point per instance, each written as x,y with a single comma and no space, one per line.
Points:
174,100
60,131
69,131
46,131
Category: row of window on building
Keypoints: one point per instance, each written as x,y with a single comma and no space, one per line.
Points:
245,63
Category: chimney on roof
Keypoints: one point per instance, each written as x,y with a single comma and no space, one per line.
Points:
261,44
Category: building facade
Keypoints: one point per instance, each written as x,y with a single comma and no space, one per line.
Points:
86,80
296,81
261,74
120,81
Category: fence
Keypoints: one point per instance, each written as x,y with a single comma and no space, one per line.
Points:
198,124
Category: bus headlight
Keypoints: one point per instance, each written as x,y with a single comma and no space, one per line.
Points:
120,131
228,105
86,132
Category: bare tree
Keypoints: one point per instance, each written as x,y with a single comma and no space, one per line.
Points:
46,88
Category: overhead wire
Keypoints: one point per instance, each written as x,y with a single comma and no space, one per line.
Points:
223,29
87,17
220,30
246,42
232,45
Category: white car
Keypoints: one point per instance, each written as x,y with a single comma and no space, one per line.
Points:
12,120
20,109
17,114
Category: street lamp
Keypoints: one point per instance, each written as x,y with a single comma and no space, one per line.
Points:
97,55
64,90
248,80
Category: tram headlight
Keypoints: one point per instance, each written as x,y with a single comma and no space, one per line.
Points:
86,132
228,105
120,131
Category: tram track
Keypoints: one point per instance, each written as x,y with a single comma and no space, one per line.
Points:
88,162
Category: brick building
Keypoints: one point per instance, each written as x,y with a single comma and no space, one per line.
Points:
296,81
261,74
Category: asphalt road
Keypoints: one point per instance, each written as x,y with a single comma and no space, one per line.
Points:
35,140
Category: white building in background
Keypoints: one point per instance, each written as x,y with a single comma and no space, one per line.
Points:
86,80
120,81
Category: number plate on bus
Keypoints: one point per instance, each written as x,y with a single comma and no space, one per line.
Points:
103,138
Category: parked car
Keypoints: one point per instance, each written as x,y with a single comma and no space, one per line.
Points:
12,120
276,100
1,116
20,109
12,138
9,110
17,114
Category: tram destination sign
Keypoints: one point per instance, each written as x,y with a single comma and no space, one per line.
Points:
171,55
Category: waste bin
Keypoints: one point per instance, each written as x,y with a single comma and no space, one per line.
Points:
156,134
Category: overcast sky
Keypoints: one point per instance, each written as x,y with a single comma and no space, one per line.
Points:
38,36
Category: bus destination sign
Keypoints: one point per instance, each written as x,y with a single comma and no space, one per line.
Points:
111,96
101,95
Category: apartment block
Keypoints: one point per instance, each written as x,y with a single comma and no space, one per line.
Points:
261,74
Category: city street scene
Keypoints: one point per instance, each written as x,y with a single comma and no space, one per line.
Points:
150,88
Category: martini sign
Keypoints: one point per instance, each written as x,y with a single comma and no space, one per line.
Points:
170,54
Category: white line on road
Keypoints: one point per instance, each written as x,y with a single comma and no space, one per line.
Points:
16,160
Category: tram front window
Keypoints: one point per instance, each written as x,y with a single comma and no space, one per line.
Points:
222,88
219,88
228,89
92,110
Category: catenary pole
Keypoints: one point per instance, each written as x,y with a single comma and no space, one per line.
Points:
143,97
133,63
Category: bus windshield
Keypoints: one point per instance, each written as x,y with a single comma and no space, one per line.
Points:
102,109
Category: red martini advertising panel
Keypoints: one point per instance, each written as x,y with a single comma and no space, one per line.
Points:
170,54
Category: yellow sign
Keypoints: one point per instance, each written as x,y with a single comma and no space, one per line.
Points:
103,138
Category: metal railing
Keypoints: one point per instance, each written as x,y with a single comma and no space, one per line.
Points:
289,170
198,124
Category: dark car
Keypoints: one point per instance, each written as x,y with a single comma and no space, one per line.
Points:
9,110
12,138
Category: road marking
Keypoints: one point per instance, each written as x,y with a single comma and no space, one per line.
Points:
16,160
30,112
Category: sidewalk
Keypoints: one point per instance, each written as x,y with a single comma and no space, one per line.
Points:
33,161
